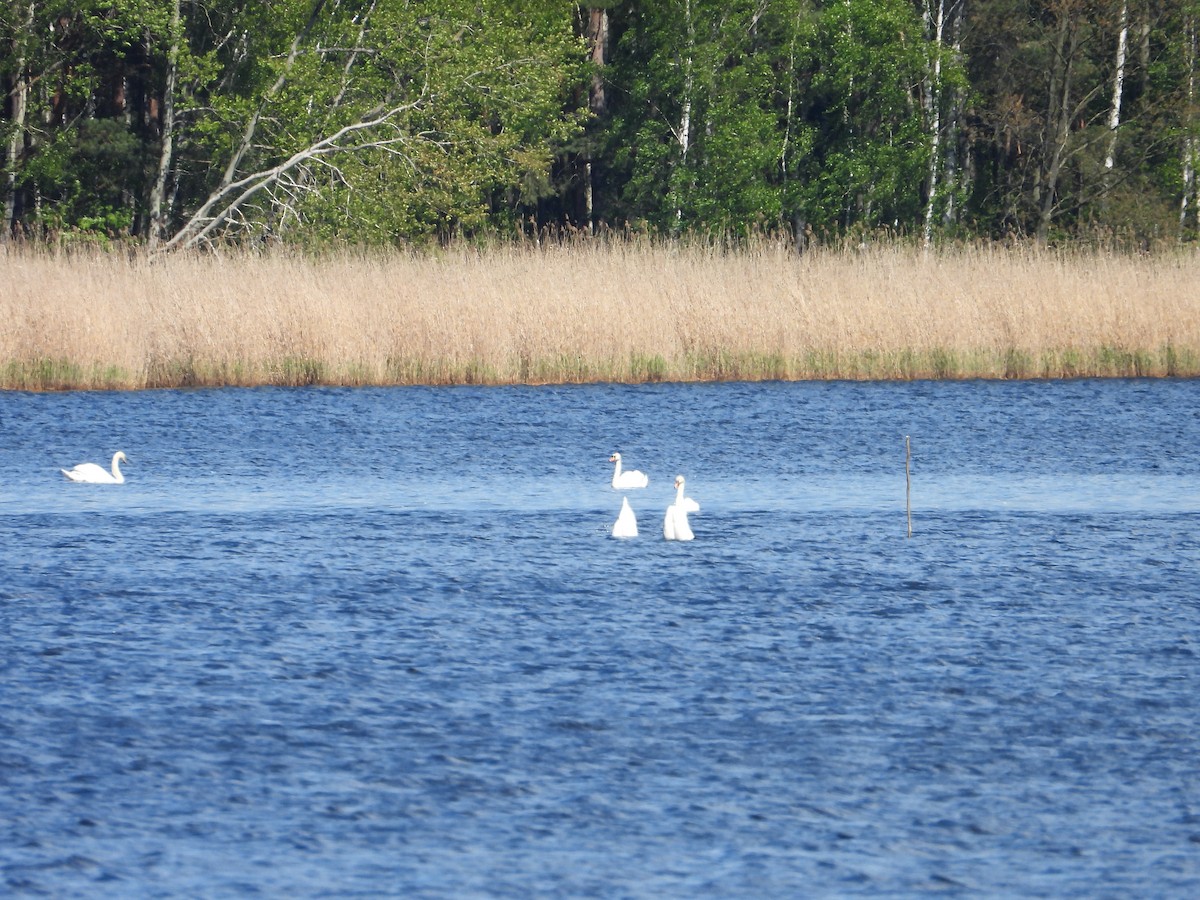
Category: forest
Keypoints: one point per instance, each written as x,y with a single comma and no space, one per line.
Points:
315,123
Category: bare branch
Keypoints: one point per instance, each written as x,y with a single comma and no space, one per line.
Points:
362,31
248,135
227,200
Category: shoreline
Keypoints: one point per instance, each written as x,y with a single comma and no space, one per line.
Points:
50,377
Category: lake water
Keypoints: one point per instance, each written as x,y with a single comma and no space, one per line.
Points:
379,642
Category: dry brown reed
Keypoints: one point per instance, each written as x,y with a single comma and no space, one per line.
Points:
592,312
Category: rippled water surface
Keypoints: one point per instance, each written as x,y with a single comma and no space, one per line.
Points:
380,642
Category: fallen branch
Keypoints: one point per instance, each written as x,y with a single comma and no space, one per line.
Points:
227,200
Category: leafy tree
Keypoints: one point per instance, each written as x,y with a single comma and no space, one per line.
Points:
695,116
78,86
767,113
466,100
870,153
470,101
378,121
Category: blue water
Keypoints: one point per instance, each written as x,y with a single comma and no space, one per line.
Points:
380,643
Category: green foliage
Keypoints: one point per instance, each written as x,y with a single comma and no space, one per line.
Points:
723,116
83,175
794,114
697,119
481,90
870,145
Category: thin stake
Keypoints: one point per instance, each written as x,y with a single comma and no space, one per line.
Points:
908,481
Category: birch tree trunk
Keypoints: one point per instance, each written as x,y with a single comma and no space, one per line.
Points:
19,93
597,34
1059,121
1114,118
953,128
158,214
785,162
1191,145
683,135
934,21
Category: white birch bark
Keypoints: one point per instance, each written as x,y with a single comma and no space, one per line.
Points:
20,105
1114,118
785,147
252,126
354,54
1191,147
934,21
953,128
597,102
684,134
224,204
157,213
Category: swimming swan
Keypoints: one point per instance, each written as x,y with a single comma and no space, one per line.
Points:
626,524
675,523
94,474
625,480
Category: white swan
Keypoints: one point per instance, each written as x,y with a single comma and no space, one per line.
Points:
675,523
94,474
623,481
626,524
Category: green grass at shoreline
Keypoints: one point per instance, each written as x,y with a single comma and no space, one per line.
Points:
1104,362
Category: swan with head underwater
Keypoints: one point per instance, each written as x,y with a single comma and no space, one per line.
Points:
623,481
626,524
90,473
675,523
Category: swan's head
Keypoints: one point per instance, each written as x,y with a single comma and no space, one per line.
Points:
616,457
120,455
678,481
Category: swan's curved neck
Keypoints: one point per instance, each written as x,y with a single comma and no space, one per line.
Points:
617,471
116,466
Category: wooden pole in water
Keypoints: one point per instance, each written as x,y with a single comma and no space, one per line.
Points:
908,481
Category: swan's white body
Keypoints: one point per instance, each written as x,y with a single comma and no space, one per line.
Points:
91,473
675,523
623,481
626,524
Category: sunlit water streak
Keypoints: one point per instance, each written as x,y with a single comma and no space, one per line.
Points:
380,642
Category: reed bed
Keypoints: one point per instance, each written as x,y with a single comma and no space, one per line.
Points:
592,312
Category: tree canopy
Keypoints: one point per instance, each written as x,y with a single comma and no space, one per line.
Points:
191,122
